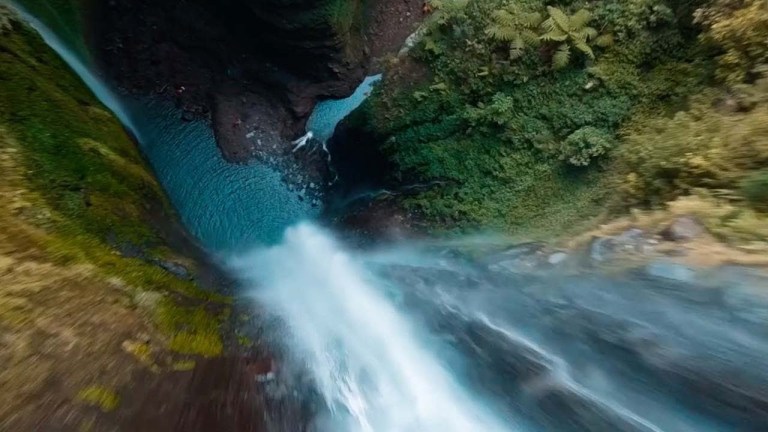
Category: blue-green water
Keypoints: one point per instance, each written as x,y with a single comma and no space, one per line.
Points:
226,206
329,113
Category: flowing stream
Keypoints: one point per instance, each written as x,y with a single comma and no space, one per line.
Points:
418,338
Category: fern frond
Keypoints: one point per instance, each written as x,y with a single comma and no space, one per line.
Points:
583,47
504,18
515,53
555,35
530,37
580,19
530,20
518,43
548,25
561,57
604,41
590,32
559,17
502,33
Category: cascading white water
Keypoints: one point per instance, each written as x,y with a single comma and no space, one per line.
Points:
373,366
97,86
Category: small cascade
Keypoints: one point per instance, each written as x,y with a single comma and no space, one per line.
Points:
329,113
97,86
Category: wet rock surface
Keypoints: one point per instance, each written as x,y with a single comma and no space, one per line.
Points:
634,350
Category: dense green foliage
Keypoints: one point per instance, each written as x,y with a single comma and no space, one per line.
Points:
77,155
714,144
96,192
524,102
755,189
740,28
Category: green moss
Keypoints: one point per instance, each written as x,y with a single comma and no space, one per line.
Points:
65,17
344,16
192,329
77,155
244,341
92,182
100,397
184,365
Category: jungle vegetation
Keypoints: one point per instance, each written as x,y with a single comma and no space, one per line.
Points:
537,115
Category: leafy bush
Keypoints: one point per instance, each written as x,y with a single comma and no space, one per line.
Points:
740,28
707,146
585,144
755,189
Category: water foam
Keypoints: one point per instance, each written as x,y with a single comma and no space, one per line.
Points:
372,365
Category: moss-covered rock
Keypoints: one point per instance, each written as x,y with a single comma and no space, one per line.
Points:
74,192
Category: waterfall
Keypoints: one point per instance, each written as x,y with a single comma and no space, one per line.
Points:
373,365
102,92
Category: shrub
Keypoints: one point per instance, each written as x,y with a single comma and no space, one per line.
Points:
706,146
755,189
740,28
584,145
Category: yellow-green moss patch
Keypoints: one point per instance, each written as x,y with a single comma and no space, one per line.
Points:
100,397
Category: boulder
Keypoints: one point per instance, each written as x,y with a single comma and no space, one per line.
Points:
682,229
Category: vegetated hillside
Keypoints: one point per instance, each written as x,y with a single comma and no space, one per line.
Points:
90,291
536,115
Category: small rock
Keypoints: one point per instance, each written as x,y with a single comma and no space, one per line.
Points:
250,134
175,269
557,258
601,248
682,229
671,271
676,253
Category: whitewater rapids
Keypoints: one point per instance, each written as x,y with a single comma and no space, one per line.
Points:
377,370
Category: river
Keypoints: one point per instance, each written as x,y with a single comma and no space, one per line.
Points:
421,337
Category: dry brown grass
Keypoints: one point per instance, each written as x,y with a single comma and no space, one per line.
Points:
61,326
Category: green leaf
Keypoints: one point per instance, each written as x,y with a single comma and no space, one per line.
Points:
580,19
504,18
530,20
501,33
556,36
559,17
583,47
562,56
530,38
517,48
604,41
590,32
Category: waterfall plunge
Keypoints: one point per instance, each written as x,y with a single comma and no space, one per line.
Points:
371,364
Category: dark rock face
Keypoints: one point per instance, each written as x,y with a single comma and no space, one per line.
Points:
187,49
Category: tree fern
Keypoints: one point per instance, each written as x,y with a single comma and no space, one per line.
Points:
513,26
571,32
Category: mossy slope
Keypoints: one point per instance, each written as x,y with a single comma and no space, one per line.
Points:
74,191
